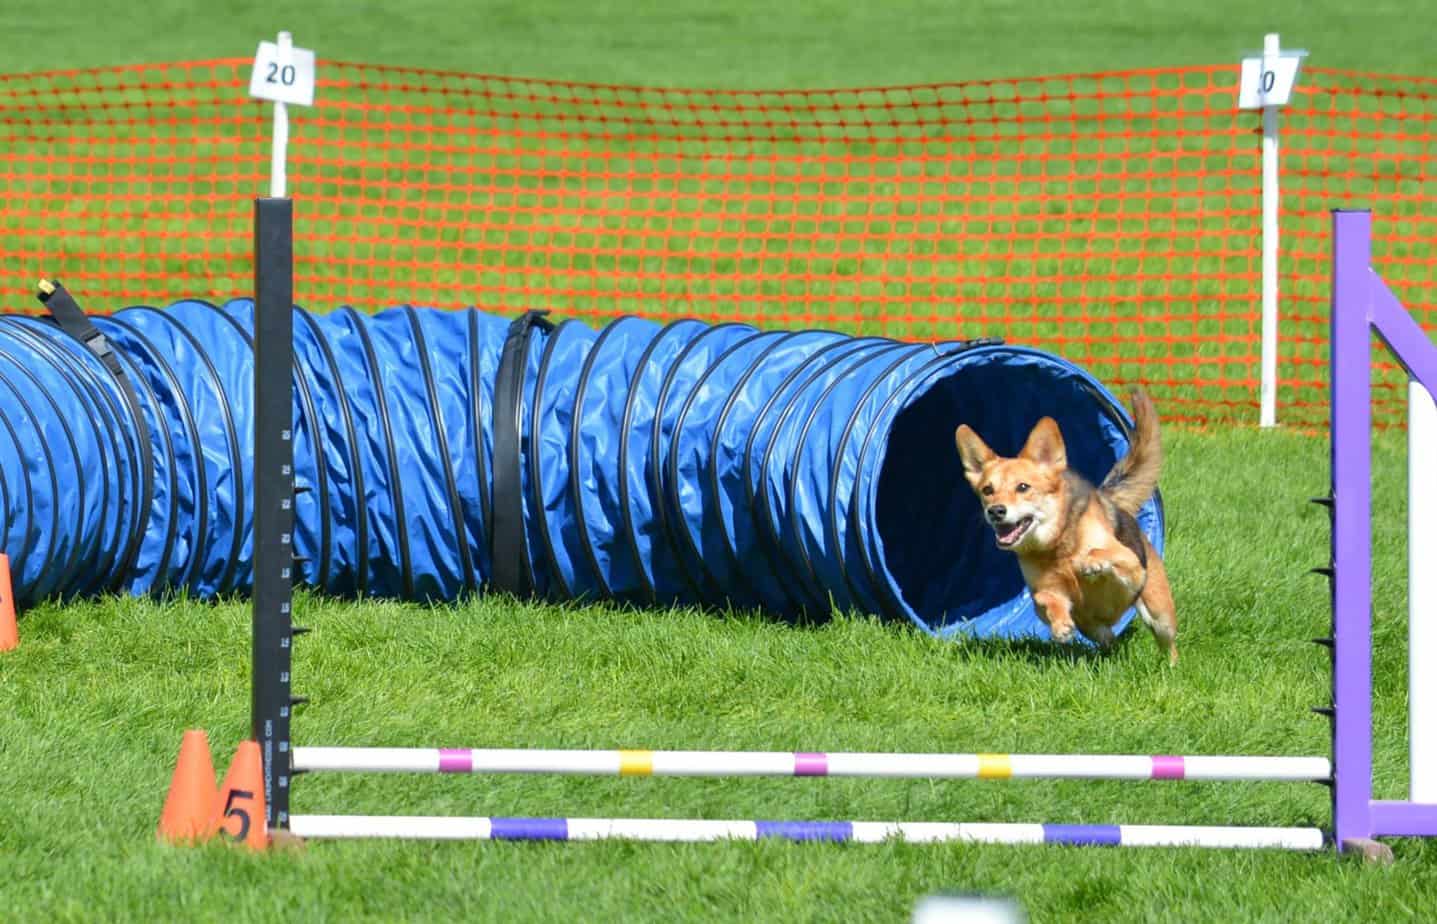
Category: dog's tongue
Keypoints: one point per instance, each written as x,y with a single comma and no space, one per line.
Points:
1011,532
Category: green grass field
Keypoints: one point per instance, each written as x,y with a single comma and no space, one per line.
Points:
739,43
93,704
98,694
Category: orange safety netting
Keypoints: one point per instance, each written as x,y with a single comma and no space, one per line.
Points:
1111,218
1354,141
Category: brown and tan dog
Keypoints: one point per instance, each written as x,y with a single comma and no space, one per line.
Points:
1083,555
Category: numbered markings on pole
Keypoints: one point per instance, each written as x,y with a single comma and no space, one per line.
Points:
283,76
1268,80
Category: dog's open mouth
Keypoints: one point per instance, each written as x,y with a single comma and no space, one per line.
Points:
1010,534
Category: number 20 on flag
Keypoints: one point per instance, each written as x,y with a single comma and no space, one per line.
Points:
283,75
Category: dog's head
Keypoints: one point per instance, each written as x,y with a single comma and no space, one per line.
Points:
1022,496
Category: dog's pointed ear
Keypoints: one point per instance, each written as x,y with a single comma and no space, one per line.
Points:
1045,445
974,453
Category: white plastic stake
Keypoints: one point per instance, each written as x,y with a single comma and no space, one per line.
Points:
279,141
1271,49
1267,83
284,75
1422,591
958,908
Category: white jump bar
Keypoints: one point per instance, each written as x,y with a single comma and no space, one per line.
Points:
787,763
868,832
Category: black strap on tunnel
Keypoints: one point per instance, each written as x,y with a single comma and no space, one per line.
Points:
71,318
507,549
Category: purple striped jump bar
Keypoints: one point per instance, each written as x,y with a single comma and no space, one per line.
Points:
865,832
813,763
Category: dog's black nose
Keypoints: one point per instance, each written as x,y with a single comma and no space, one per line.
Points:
997,512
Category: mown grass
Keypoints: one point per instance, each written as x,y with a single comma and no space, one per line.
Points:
99,692
739,43
93,704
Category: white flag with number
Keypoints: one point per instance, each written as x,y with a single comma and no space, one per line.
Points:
283,75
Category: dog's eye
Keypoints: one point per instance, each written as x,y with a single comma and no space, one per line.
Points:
987,490
1022,487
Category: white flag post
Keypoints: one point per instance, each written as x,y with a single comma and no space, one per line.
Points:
284,75
1267,83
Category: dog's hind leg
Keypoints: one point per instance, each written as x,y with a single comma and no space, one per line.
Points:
1101,635
1163,631
1155,606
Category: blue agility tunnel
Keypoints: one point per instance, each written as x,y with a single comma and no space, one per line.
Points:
440,453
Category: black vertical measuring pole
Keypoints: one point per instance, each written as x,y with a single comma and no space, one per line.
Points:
273,498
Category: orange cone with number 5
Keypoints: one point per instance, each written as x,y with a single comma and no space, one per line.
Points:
239,811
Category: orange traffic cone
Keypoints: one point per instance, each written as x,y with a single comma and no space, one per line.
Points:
238,812
187,817
9,631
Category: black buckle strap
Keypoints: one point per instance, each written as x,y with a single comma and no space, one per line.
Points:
508,547
72,319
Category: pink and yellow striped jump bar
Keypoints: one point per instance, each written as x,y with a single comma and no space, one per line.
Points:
811,763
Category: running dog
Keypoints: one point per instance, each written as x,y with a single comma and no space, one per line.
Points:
1082,553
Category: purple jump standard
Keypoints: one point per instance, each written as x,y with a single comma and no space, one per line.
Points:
1362,304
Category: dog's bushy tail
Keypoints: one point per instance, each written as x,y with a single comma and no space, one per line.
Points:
1134,477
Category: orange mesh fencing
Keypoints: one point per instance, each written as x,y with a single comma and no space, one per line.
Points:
1111,218
1354,141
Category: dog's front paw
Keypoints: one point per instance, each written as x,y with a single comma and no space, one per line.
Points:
1092,566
